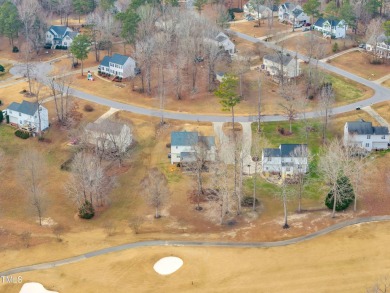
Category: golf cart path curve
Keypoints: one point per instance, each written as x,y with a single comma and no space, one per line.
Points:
172,243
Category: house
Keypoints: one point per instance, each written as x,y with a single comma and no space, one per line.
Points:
25,115
60,35
220,75
118,65
379,46
362,134
224,41
292,14
331,27
257,11
183,146
275,64
108,134
287,160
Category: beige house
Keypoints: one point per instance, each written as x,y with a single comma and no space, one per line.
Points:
279,64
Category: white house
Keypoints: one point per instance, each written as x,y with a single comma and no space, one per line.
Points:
331,27
25,114
362,134
257,11
379,46
118,65
60,35
275,64
183,146
109,135
292,13
224,41
287,160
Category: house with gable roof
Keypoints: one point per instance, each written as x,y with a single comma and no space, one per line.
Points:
183,146
60,35
287,159
292,13
361,134
118,65
25,114
331,27
257,11
224,41
276,63
379,46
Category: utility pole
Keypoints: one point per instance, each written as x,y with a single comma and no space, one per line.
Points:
259,106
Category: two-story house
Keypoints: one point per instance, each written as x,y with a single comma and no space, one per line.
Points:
224,41
287,160
379,46
108,134
118,65
60,35
278,64
257,11
362,134
25,114
331,27
184,144
292,13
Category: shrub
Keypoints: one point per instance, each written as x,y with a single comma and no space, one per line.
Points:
15,49
47,46
346,195
168,145
86,211
2,69
1,116
88,108
247,201
335,47
65,166
22,134
281,130
376,62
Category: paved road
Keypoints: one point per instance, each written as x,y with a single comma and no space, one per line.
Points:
154,243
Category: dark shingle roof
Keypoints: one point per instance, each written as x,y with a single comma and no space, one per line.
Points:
363,127
25,107
71,35
184,138
271,152
221,38
119,59
320,22
287,150
277,59
297,12
106,61
58,29
383,38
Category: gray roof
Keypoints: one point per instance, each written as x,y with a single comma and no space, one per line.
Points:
58,29
285,150
221,38
363,127
106,61
105,126
383,38
297,12
187,157
71,35
119,59
25,107
277,58
320,22
184,138
271,152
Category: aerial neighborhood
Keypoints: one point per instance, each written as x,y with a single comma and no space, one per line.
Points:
136,136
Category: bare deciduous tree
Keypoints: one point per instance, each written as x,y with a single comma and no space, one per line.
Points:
32,170
156,190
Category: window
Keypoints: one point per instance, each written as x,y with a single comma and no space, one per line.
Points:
383,136
368,136
288,169
20,114
367,145
10,111
266,168
65,44
299,167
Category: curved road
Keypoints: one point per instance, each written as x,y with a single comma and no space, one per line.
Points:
57,263
381,94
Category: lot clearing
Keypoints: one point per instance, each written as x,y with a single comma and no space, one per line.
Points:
348,260
358,62
248,27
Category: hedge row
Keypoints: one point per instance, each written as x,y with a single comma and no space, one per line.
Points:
22,134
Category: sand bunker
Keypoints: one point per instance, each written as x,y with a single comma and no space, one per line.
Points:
34,288
168,265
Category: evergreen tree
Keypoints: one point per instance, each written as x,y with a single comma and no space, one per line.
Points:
312,8
129,20
345,196
80,48
9,21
